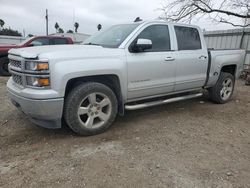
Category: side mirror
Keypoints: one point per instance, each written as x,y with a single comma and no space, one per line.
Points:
142,45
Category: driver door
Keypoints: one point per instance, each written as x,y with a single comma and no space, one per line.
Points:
152,72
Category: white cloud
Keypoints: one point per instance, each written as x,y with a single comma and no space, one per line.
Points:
30,14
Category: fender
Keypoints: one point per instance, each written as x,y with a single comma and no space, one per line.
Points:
64,71
221,58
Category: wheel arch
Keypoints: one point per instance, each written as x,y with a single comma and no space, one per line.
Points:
229,69
110,80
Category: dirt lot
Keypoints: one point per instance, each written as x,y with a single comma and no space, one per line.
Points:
188,144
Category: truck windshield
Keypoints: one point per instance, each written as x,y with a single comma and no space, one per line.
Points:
112,37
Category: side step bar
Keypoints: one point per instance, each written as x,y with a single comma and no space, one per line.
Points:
159,102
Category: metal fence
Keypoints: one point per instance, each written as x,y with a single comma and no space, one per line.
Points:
230,39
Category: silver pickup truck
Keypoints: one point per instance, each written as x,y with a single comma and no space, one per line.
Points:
126,67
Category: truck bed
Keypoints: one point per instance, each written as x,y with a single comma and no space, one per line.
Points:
220,58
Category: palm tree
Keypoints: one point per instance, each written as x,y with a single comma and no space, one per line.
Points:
60,30
2,23
57,27
99,27
76,25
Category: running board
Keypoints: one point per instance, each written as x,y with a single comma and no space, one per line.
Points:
160,102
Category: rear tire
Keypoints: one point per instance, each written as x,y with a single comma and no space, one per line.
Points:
223,90
4,61
90,108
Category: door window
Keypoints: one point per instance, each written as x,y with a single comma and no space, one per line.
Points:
187,38
159,35
40,42
59,41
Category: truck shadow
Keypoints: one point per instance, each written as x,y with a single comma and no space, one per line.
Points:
121,127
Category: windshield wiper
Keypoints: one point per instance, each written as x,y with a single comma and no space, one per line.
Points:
90,43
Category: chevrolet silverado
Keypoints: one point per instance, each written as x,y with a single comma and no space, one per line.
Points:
126,67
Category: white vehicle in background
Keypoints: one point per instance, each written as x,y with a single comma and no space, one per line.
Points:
128,66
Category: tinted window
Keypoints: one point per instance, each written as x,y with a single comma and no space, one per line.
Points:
40,42
187,38
60,41
159,35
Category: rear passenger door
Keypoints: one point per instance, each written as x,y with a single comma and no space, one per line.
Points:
191,58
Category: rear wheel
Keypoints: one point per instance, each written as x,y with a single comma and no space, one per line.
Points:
90,108
4,61
223,89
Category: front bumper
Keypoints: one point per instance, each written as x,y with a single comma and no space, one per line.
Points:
43,112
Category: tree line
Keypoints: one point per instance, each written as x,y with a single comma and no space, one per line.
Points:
7,31
233,12
60,30
76,26
11,32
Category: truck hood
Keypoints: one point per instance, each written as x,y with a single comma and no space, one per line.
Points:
61,51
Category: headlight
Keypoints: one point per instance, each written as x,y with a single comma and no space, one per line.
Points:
36,66
38,81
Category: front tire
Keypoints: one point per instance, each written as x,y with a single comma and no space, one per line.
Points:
223,90
90,108
4,61
247,80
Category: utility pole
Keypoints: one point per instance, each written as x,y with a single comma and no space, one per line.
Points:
47,27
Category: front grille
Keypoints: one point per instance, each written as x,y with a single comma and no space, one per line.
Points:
15,63
17,79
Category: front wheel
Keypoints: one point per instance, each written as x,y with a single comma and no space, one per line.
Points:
248,80
90,108
223,89
4,61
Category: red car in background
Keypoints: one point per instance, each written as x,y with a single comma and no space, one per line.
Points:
33,41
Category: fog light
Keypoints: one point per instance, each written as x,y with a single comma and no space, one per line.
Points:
38,81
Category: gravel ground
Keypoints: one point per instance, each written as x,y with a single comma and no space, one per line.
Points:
188,144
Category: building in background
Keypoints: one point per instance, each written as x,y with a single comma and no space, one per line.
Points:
230,39
11,39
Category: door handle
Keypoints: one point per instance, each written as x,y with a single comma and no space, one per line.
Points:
203,57
169,59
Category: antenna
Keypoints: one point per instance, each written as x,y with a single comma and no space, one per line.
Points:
73,18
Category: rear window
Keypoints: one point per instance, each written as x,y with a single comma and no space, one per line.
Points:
187,38
59,41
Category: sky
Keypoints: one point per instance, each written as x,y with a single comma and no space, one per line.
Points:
29,15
